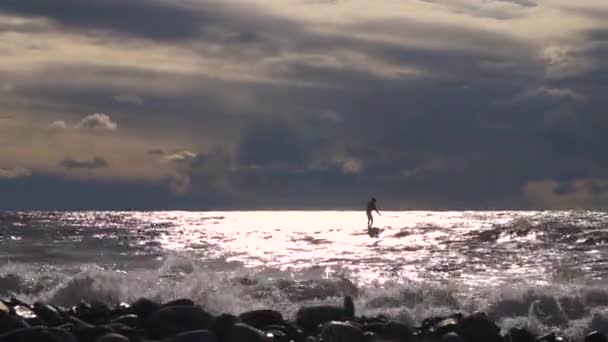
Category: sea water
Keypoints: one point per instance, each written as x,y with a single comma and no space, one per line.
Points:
539,270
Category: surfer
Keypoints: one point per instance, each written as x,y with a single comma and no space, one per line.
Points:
371,206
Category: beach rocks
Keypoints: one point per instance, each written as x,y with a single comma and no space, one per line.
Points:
519,335
183,321
242,332
595,336
478,328
48,314
195,336
38,334
341,332
172,320
261,318
309,318
112,337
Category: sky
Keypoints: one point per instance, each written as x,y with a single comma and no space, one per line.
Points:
303,104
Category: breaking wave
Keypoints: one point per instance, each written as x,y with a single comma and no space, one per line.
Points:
222,286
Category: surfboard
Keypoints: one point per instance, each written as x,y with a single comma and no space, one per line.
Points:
372,232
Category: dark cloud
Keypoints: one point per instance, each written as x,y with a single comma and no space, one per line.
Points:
95,163
146,18
476,124
268,143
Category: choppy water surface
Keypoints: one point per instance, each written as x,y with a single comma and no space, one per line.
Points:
240,260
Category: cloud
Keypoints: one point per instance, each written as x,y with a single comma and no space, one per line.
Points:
437,104
12,173
58,125
97,122
179,22
559,93
95,163
178,157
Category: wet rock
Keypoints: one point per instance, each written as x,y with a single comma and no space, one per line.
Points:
443,327
292,331
95,313
451,337
349,307
179,302
125,330
4,310
369,336
396,331
242,332
91,333
519,335
276,335
143,308
38,334
11,322
595,336
261,318
48,314
478,328
551,337
112,337
223,324
341,332
309,318
195,336
172,320
129,320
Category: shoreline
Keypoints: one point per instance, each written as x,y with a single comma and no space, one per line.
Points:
183,320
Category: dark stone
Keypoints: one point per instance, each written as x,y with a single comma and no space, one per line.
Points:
478,328
195,336
48,314
78,323
112,337
396,331
130,320
261,318
91,333
550,337
309,318
451,337
125,330
223,324
349,307
443,327
370,336
276,335
38,334
595,336
341,332
4,310
519,335
179,302
290,329
11,322
172,320
242,332
143,308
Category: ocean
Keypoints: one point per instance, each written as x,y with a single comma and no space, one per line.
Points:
540,270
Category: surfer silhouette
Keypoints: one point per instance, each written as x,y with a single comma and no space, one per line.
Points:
371,206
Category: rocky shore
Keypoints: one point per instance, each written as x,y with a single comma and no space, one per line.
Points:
184,321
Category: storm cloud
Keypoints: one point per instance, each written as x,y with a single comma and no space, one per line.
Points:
270,104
